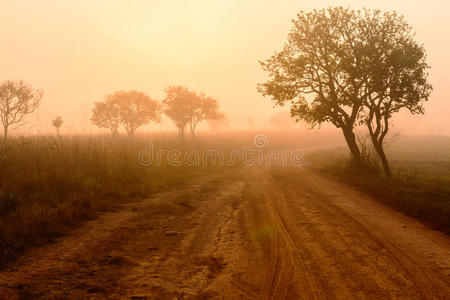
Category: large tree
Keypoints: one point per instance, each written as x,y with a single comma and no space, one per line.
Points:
322,71
130,109
17,99
398,75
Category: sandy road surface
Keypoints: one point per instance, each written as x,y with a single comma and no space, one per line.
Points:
252,233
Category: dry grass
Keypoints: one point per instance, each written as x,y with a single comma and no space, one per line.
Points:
420,186
48,184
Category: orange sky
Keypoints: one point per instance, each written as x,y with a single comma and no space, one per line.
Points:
79,51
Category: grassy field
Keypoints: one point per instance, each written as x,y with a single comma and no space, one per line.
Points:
48,184
420,186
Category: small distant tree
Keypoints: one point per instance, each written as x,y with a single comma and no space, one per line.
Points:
57,123
130,109
184,107
136,109
178,106
17,99
105,115
205,108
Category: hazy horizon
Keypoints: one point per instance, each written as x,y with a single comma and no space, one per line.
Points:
78,52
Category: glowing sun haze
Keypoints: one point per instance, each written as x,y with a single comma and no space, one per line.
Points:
79,51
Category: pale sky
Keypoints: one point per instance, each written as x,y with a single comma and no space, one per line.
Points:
79,51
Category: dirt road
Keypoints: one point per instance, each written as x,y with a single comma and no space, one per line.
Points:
251,233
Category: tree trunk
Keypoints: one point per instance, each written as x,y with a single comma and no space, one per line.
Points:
5,131
114,132
192,126
181,132
130,132
350,138
379,148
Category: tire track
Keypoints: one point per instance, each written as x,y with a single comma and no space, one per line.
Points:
425,285
424,282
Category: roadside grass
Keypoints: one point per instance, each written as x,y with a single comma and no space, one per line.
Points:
420,186
49,184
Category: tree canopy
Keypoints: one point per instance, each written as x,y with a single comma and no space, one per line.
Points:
57,123
185,107
130,109
338,65
398,75
105,115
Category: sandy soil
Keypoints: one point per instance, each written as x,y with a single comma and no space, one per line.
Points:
252,233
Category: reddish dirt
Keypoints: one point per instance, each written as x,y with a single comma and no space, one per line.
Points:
252,233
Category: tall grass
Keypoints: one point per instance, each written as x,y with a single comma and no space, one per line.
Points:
48,183
420,186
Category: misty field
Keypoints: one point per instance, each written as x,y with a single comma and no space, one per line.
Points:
112,226
421,183
224,150
49,183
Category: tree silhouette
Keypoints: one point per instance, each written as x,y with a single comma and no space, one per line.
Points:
204,108
178,103
398,75
136,109
349,67
130,109
184,106
105,115
17,99
57,123
322,71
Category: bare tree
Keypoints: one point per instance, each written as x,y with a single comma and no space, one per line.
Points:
57,123
17,99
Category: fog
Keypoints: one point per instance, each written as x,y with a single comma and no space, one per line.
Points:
80,51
